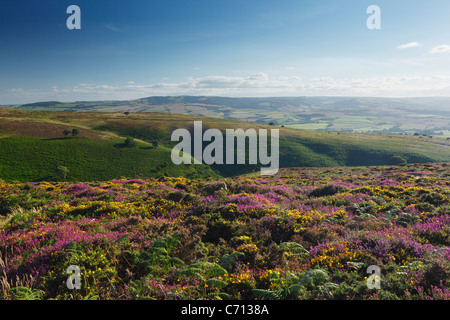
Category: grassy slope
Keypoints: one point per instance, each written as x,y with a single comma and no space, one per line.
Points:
424,116
32,146
37,159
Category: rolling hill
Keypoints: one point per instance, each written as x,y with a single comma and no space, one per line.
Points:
420,116
33,146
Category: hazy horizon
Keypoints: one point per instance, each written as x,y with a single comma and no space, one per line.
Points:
238,97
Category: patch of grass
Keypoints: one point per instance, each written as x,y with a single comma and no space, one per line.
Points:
308,126
33,159
97,154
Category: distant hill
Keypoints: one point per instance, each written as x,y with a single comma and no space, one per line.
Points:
420,116
33,146
41,104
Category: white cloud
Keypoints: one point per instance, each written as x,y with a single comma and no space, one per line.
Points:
16,90
256,85
441,49
409,45
112,27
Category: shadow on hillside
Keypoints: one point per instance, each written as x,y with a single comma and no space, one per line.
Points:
124,146
59,138
47,178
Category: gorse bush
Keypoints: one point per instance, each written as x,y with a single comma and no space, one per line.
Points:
327,190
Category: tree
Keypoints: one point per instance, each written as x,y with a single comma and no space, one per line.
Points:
61,172
129,143
398,160
75,132
66,132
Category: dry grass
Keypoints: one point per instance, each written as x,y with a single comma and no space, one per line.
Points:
4,220
26,280
20,127
7,284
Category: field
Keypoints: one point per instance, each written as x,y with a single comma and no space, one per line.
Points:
305,233
34,159
419,116
33,146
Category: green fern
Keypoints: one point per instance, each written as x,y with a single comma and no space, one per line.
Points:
138,290
72,250
220,296
158,257
216,283
313,277
355,265
263,294
25,293
176,261
203,270
293,247
228,261
192,273
328,288
167,243
292,292
292,250
289,293
91,296
214,270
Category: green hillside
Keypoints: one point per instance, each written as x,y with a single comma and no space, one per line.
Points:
30,159
33,146
412,116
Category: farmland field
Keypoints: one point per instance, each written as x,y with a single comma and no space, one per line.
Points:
421,116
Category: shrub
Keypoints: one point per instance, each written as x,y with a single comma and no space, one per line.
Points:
327,190
436,273
129,143
61,172
75,132
397,160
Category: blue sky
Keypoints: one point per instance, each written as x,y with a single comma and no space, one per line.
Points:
132,49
